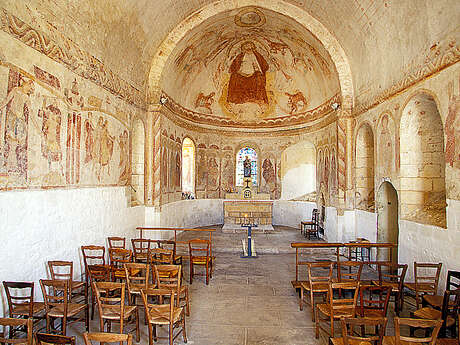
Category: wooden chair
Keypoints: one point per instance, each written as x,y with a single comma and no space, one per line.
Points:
111,305
317,283
426,280
56,295
373,301
200,253
349,271
447,314
97,273
118,258
165,314
45,339
452,283
16,323
20,296
93,257
451,341
160,256
171,245
117,242
350,337
393,274
63,270
167,277
337,307
102,337
141,247
310,227
137,278
399,339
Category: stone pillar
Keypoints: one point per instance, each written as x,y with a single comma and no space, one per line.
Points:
156,133
345,159
150,157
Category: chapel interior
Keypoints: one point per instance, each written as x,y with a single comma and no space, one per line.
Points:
319,124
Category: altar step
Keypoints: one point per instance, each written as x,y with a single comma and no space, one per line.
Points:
236,228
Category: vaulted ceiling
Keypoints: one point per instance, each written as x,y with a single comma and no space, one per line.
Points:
385,41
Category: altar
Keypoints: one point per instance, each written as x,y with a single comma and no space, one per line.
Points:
238,212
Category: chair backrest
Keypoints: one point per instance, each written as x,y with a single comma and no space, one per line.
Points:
13,322
93,255
199,248
151,310
98,273
453,280
349,271
350,336
141,246
450,304
137,273
167,244
110,295
160,256
374,298
120,256
418,323
117,242
102,337
20,296
340,303
44,338
319,274
392,272
55,293
61,270
168,277
426,279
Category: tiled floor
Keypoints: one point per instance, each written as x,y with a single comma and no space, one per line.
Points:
248,301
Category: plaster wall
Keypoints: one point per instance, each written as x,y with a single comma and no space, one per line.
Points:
291,213
53,224
366,225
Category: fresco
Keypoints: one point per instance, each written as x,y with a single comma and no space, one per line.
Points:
386,147
452,151
251,71
49,139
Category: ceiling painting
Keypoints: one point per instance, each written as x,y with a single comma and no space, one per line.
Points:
251,66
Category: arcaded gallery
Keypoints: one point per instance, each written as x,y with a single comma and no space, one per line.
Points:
219,172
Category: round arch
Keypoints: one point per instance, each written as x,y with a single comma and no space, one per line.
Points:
364,167
328,40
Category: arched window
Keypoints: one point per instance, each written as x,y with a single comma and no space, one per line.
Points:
240,157
188,167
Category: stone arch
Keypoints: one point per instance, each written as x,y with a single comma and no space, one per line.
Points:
423,191
137,161
387,206
298,171
364,168
330,43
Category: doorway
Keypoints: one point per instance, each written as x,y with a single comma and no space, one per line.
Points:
387,219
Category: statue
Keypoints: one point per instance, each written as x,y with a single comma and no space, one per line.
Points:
247,167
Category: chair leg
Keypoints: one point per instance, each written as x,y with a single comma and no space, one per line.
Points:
138,335
207,272
187,303
312,301
87,318
191,272
184,331
150,334
92,306
171,329
316,324
301,299
64,325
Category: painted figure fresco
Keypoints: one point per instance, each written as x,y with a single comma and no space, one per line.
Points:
333,177
51,130
202,172
123,143
99,146
268,172
227,180
164,169
204,102
177,172
15,112
213,174
386,148
452,130
248,77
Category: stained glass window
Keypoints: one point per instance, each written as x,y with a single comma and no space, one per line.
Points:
240,157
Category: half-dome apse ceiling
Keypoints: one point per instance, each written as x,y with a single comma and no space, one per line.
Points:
251,68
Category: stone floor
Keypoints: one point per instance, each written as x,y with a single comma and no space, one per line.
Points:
248,301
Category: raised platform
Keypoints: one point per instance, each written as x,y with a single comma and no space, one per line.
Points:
237,228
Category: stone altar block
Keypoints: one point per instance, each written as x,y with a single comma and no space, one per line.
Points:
237,212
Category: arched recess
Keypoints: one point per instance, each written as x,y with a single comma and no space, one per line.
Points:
364,169
329,41
298,172
387,219
137,178
188,167
423,191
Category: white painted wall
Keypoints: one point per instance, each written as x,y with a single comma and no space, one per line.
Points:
298,181
291,213
331,224
366,225
43,225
